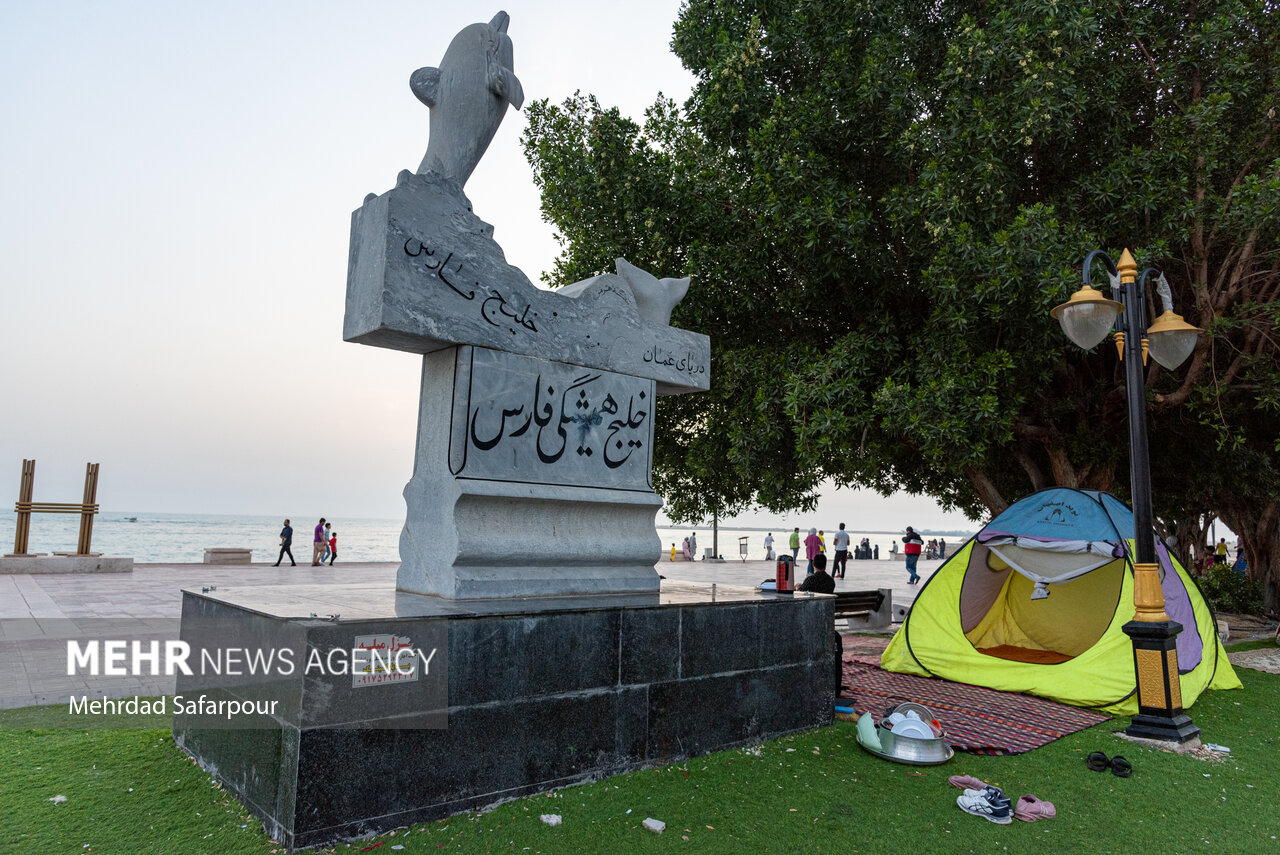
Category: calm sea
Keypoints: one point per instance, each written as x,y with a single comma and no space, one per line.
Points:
152,538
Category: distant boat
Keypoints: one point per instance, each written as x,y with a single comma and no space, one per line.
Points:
130,519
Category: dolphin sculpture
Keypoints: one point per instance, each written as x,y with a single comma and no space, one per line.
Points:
468,96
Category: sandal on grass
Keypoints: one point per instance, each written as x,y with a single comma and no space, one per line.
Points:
1099,762
1030,808
966,782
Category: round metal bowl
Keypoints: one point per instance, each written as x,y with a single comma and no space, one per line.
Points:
908,749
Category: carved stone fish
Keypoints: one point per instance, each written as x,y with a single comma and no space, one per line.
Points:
655,298
468,96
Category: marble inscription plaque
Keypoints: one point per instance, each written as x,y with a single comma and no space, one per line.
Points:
517,418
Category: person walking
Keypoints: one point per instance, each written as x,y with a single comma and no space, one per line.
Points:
286,545
324,557
812,548
942,548
795,545
317,545
841,543
912,544
333,546
1221,552
768,547
693,546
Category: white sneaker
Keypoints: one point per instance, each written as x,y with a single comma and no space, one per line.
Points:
999,811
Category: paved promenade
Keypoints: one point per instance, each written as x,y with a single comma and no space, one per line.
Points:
41,611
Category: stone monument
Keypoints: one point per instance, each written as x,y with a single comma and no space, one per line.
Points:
535,425
528,551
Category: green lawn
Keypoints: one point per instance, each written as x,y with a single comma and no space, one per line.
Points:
132,791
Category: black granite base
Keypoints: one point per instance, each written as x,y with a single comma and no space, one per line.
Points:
541,693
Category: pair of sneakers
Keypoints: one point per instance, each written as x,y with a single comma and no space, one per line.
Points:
990,803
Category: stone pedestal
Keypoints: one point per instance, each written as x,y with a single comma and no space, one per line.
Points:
535,427
547,461
61,563
536,694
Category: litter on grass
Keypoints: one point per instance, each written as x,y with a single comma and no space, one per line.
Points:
657,826
550,818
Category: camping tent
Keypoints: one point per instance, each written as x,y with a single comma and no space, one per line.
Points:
1035,603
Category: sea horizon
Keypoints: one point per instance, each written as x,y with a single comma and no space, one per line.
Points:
151,537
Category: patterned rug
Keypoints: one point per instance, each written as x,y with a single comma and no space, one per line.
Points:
1262,659
864,649
977,720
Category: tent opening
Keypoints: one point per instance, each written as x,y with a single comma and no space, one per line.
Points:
1006,615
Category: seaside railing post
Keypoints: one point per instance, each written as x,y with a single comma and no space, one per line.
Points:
88,508
23,507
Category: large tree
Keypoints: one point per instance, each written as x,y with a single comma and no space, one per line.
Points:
880,202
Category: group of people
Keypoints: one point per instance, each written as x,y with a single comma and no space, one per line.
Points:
1221,551
815,549
324,547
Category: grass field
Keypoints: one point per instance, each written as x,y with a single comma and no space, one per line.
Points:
133,791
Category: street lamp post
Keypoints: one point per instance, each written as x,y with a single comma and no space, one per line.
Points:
1086,319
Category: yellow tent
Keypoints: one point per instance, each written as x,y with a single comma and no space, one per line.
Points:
1036,602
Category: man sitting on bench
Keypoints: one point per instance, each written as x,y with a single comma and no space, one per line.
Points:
819,582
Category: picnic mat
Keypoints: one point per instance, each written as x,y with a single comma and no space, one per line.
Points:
1261,659
977,720
864,649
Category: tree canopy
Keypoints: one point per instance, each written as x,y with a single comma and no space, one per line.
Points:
879,203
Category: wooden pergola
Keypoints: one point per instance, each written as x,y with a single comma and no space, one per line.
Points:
26,507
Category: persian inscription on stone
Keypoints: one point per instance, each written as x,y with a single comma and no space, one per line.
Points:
494,308
517,418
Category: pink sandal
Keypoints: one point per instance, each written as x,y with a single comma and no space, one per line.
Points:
966,782
1030,808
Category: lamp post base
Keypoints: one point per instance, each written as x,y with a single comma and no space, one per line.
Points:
1177,729
1155,661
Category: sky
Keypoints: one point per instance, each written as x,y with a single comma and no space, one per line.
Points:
178,181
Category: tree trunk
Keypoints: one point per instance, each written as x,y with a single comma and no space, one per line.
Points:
1259,528
987,491
1191,534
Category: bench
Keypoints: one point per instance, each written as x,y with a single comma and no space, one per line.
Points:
865,609
228,556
